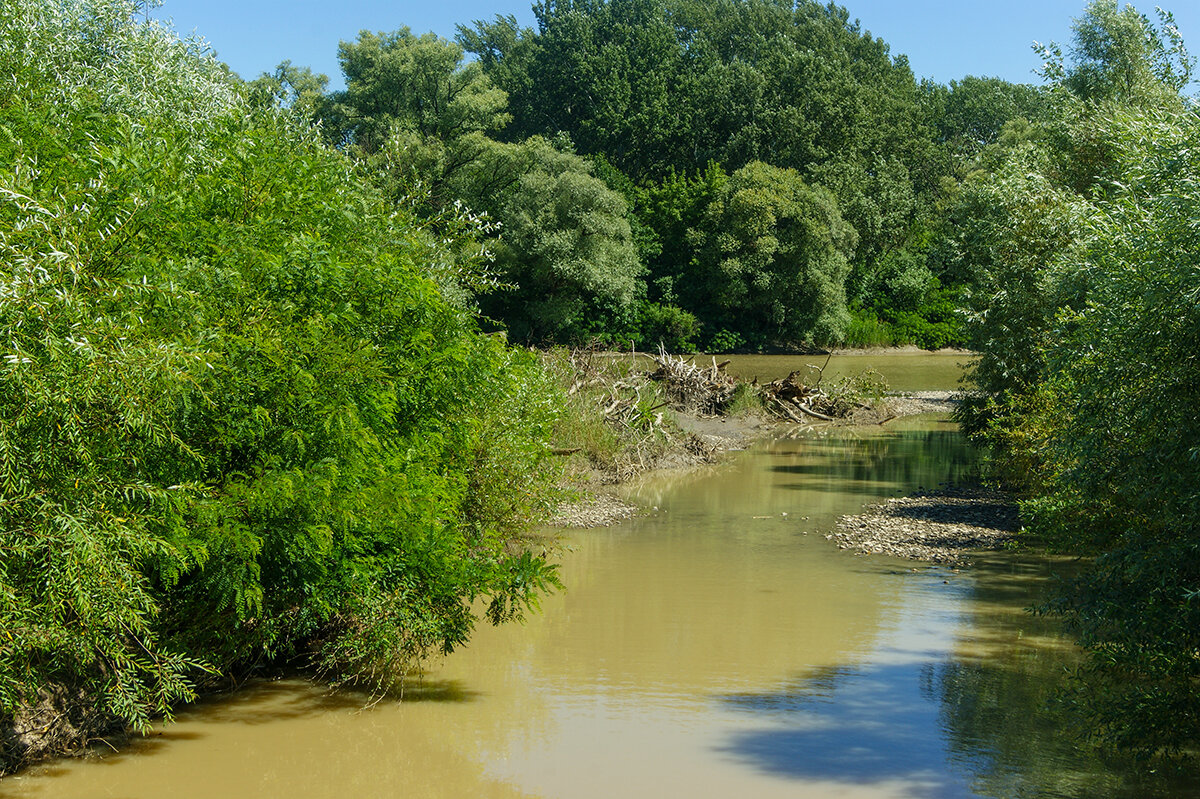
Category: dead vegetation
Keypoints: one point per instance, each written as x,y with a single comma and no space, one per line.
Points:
694,389
619,421
798,401
622,409
708,390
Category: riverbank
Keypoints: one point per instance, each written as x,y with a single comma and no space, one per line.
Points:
702,440
941,527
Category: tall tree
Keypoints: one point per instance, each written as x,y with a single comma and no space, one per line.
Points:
772,259
415,83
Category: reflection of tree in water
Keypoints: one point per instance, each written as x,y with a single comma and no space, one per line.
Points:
1003,724
902,458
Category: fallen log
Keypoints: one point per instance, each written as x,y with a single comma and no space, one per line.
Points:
814,414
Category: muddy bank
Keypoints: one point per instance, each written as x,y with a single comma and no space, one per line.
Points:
59,722
703,440
943,527
709,439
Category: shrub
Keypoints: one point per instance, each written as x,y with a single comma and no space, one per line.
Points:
237,422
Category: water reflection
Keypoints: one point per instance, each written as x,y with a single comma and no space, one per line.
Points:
859,726
978,718
717,646
892,460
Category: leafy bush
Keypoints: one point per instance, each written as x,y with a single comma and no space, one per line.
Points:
674,328
1088,325
866,330
237,422
725,341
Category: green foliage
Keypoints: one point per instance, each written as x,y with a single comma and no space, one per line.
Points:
971,113
1007,229
658,85
665,89
566,247
865,329
417,83
566,261
667,326
671,208
298,89
1119,55
772,260
89,389
725,341
1086,321
238,422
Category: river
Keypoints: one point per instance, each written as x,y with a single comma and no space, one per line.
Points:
716,646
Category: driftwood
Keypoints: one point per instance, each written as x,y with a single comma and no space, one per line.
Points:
709,390
793,399
692,388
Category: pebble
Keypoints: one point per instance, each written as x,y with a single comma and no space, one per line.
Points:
943,526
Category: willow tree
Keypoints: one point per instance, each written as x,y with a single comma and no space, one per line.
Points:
772,258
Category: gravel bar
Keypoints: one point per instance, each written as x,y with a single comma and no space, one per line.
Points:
942,527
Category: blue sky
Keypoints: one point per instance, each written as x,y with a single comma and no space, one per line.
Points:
943,40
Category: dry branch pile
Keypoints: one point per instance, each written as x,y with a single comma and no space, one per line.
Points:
692,388
794,400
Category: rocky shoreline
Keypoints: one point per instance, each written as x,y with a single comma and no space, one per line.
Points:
944,527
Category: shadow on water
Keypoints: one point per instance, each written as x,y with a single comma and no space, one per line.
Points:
449,691
269,702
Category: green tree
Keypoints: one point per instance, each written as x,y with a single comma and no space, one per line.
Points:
1085,365
1118,54
969,114
566,247
415,83
671,208
238,424
1125,485
663,88
772,258
296,88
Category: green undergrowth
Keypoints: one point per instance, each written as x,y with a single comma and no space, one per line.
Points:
617,421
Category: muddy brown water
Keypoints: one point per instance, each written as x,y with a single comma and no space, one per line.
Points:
902,370
717,646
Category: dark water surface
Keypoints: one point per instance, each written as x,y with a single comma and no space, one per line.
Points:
718,646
